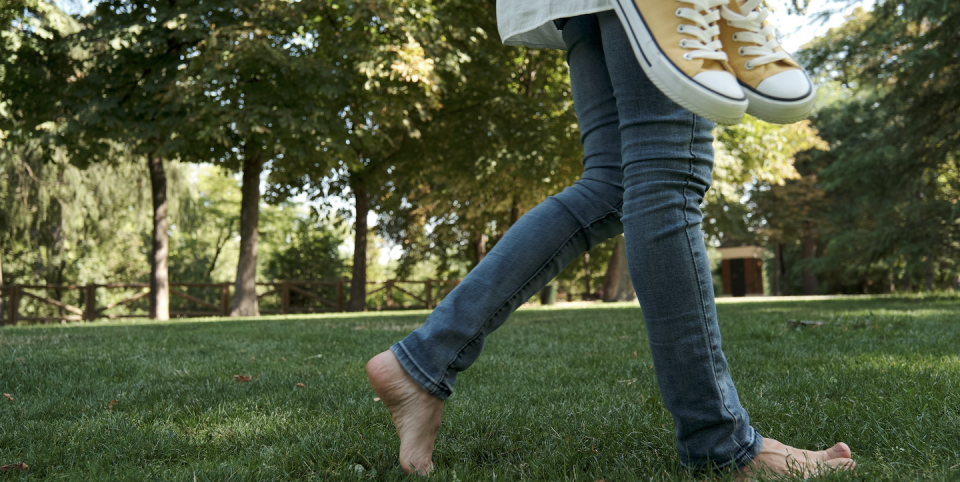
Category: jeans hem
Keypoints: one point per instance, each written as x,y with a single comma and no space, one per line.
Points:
753,452
744,456
418,374
741,458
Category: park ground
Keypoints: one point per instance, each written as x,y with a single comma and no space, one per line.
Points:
559,394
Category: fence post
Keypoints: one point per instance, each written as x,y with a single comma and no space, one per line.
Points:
225,299
341,306
429,285
90,302
284,297
389,295
14,304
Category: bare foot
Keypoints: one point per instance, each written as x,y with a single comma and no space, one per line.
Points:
415,412
776,458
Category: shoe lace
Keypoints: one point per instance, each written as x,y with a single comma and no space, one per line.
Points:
705,14
754,31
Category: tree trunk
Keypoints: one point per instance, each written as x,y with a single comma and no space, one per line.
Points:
159,281
906,279
928,273
889,286
3,313
777,268
358,283
515,211
479,249
58,294
611,279
809,275
586,267
245,292
625,290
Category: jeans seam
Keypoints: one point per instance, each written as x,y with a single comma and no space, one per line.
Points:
703,308
518,290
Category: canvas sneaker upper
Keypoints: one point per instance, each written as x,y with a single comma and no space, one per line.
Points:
688,33
757,59
678,47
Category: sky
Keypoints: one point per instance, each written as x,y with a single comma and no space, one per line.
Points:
798,30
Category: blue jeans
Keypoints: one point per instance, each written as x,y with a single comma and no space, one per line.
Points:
647,164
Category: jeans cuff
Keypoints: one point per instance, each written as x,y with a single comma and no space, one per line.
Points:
745,456
435,388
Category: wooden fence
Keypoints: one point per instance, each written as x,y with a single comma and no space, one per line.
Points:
294,297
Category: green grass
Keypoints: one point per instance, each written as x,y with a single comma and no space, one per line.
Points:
559,394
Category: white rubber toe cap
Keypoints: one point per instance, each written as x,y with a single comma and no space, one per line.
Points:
789,85
723,83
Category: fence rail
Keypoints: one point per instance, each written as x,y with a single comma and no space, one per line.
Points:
294,297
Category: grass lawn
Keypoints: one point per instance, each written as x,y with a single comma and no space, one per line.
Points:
559,394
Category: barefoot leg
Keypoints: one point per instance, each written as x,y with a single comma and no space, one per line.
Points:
776,458
415,413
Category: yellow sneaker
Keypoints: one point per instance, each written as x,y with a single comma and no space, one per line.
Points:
677,45
779,90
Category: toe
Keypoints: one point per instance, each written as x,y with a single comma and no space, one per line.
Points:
840,450
787,85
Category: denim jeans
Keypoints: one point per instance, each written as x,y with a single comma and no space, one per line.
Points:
647,164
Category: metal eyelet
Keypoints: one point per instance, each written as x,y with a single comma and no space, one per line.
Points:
735,38
680,28
748,65
729,23
740,51
687,57
683,43
679,11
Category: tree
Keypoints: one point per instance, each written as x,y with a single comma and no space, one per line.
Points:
224,81
617,285
65,225
311,251
32,74
126,94
257,84
893,133
388,58
503,139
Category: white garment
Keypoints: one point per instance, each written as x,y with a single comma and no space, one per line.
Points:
530,22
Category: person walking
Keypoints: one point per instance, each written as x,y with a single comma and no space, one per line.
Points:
647,165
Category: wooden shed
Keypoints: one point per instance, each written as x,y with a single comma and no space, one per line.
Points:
742,270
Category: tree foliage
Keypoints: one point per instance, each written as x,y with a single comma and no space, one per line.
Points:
893,130
503,139
752,158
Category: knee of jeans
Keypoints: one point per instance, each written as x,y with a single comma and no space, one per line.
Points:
687,176
609,175
589,200
605,183
597,208
603,229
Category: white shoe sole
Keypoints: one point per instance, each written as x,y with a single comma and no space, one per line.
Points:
780,111
671,80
